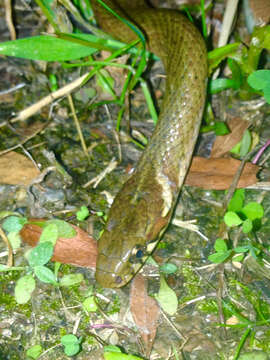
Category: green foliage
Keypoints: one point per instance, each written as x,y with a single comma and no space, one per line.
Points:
34,351
166,297
14,239
53,82
222,253
114,353
234,82
260,317
220,128
237,201
14,223
72,344
71,279
39,256
260,80
106,82
83,213
243,63
254,355
49,234
89,304
216,56
47,48
244,146
232,219
65,230
45,275
24,288
247,216
243,215
168,268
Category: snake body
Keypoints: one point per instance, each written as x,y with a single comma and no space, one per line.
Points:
142,209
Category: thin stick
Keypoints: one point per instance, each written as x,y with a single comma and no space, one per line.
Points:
78,127
10,253
33,109
10,25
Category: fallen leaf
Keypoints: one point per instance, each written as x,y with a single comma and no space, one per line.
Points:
145,311
81,250
223,144
166,297
260,11
218,173
17,169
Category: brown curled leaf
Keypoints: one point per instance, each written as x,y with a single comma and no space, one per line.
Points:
224,144
218,173
145,311
81,250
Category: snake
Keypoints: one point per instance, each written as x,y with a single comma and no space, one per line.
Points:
142,209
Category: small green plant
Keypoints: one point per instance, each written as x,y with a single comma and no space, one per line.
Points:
34,351
83,213
244,146
72,344
260,80
250,323
114,353
243,62
39,256
249,218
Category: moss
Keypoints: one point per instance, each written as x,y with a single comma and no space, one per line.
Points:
191,281
209,306
7,298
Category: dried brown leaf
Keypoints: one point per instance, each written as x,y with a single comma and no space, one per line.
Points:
261,11
145,311
17,169
81,250
218,173
223,144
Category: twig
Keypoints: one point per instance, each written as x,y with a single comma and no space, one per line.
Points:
10,25
31,110
77,124
27,138
227,22
97,179
178,332
10,253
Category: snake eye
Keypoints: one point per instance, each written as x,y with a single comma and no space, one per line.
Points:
139,254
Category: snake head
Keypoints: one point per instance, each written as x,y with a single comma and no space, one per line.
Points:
121,276
135,223
116,265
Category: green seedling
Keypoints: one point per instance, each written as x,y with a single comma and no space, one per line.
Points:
243,62
248,217
72,344
260,81
39,257
82,214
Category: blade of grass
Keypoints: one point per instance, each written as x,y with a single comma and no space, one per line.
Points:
204,27
47,11
241,343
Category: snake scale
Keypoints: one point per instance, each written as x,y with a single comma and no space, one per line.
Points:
142,209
